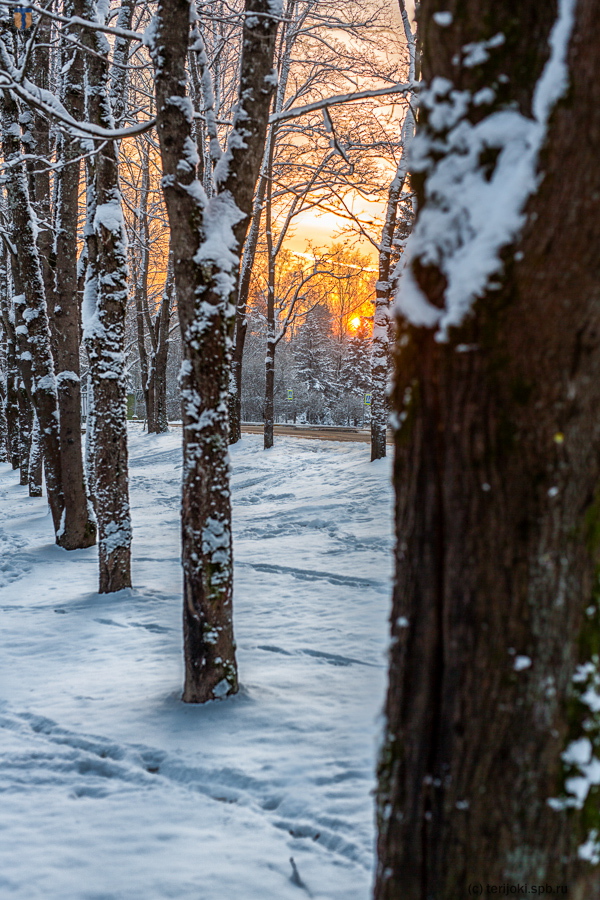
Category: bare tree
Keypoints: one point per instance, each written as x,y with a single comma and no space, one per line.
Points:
206,234
11,370
300,169
105,305
382,320
79,529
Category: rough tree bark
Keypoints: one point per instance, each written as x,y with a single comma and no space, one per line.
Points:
25,425
79,525
487,768
12,372
205,236
105,304
4,443
35,462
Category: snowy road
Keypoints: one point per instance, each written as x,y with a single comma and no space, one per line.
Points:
111,789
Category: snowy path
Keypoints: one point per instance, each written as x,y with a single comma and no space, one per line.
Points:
110,788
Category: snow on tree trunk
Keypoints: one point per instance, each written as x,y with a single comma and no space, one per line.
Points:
34,470
161,355
205,235
12,372
381,321
12,415
4,443
488,770
269,413
25,426
31,322
41,147
147,386
79,528
104,309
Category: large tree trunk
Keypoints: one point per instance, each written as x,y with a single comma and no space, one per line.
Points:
105,304
79,529
205,234
496,601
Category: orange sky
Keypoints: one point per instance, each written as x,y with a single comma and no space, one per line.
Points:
320,229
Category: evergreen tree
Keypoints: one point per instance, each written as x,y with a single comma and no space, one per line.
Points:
355,374
313,353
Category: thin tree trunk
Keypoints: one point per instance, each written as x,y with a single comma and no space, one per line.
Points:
205,276
161,354
490,723
380,352
269,389
286,43
34,471
241,321
381,319
4,443
143,355
12,414
12,374
79,527
25,426
271,262
142,264
105,304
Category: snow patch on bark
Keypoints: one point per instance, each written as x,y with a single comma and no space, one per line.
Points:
219,244
470,214
110,216
116,535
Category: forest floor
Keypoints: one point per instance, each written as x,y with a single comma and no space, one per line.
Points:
111,788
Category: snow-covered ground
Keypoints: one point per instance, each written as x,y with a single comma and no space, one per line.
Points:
110,787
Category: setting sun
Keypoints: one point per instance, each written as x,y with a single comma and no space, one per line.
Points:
355,323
